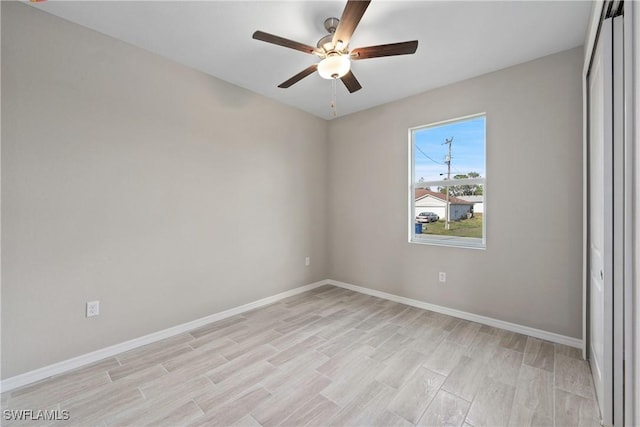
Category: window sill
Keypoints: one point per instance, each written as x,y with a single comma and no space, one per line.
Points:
451,241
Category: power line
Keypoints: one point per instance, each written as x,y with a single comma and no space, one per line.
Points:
425,154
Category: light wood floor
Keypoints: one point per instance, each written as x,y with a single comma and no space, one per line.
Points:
328,357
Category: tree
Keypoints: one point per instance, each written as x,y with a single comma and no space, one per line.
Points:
463,190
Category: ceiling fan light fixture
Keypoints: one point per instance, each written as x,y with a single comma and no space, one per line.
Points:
334,66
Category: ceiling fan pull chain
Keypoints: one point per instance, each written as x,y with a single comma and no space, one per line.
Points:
333,97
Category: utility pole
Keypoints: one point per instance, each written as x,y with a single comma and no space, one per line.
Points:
447,160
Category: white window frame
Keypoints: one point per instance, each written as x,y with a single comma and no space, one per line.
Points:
453,241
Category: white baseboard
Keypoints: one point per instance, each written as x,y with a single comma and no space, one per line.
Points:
525,330
85,359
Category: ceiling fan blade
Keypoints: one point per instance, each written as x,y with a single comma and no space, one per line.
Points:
351,16
281,41
351,82
404,48
301,75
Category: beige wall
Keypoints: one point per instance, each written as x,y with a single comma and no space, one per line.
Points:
133,180
530,273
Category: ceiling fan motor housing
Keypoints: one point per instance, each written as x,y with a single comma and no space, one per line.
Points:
326,42
330,24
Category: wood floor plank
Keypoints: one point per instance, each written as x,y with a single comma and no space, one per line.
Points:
539,354
366,406
335,366
492,405
181,375
160,405
133,381
445,409
286,341
315,412
93,401
182,415
381,335
265,337
73,378
294,326
565,350
255,356
150,350
390,419
338,327
484,347
466,378
217,326
246,421
242,381
438,320
490,330
206,343
56,390
347,340
414,397
295,350
535,390
147,360
400,367
521,416
505,366
217,335
233,410
514,341
574,410
574,376
331,310
290,373
384,313
464,333
406,317
280,406
348,385
444,358
255,329
93,408
267,313
391,346
203,356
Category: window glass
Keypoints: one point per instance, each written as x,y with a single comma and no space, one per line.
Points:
448,183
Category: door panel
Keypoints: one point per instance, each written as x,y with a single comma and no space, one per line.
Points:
600,220
618,219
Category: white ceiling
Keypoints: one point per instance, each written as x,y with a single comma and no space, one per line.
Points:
458,40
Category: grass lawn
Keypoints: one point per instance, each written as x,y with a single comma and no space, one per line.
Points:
462,228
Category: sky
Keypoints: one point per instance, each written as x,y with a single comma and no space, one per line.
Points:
467,149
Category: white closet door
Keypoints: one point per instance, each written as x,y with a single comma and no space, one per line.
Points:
600,220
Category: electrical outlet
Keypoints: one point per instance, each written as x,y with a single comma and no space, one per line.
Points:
93,308
307,261
442,276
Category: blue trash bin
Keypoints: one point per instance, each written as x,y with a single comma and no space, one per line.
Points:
418,228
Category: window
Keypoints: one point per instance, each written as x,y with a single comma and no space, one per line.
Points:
447,183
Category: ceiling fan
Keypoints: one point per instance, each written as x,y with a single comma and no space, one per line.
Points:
334,48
